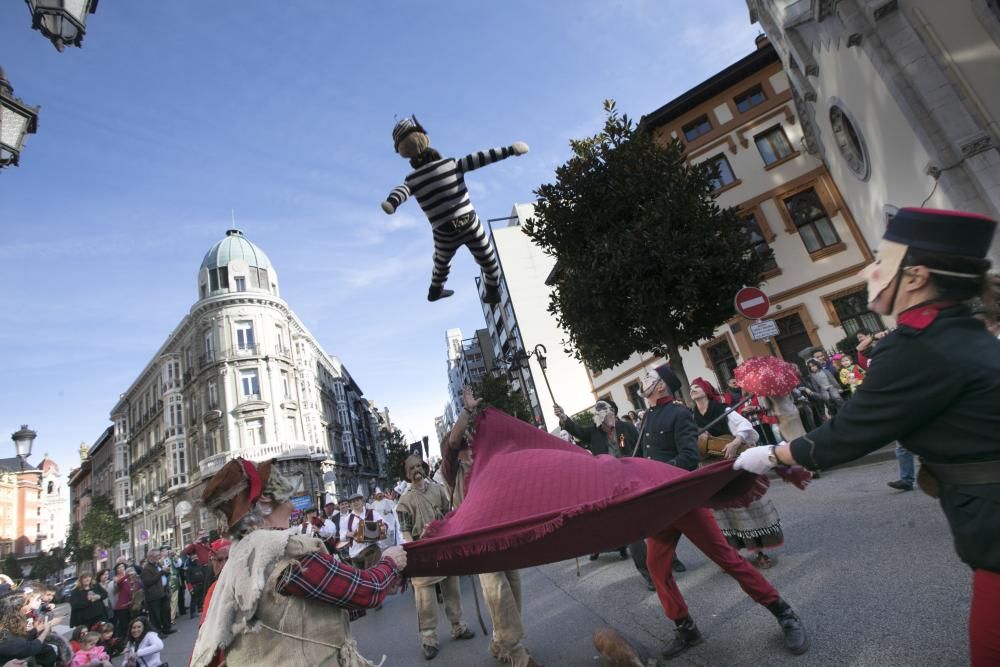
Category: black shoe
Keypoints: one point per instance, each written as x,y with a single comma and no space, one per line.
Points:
796,639
594,556
650,586
430,652
677,565
168,631
491,294
467,634
900,485
435,293
623,552
686,635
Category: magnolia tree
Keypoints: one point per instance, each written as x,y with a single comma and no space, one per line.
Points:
647,260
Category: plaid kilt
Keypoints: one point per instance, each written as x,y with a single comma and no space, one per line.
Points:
755,527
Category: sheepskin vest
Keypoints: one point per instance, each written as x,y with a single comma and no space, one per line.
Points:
255,625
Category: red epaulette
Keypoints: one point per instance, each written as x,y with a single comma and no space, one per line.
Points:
921,317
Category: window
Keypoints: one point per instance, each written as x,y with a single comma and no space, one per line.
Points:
723,172
852,311
697,128
849,142
758,242
811,220
241,283
633,391
213,395
723,361
255,433
209,346
773,145
750,98
279,338
250,383
244,335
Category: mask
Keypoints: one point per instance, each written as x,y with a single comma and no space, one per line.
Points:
601,412
648,383
880,273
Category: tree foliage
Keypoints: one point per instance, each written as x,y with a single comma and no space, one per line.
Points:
496,392
51,563
397,449
102,527
647,260
12,568
77,550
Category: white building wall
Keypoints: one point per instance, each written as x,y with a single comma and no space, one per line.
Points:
525,268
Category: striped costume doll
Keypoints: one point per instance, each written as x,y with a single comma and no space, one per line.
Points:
439,185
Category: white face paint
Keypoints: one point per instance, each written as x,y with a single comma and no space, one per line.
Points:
648,383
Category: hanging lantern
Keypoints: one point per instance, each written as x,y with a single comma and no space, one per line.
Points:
63,22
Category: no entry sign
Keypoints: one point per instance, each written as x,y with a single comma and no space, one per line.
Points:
752,303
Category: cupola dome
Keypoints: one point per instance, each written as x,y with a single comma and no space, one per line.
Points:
235,264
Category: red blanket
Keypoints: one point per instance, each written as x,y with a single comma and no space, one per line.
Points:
533,498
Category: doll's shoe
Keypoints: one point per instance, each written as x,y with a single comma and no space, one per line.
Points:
491,294
435,293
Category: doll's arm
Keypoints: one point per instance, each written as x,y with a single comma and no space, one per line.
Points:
483,158
398,195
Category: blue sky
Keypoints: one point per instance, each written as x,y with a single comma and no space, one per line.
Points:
174,114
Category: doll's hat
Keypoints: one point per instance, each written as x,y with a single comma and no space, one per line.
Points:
404,128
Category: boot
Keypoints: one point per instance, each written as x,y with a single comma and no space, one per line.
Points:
796,639
686,635
435,293
465,634
491,294
430,652
677,565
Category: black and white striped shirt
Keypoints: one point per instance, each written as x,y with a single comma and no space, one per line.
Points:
439,186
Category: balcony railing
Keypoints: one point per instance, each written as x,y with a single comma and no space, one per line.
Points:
212,464
247,350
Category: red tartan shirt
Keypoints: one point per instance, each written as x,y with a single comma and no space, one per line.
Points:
323,577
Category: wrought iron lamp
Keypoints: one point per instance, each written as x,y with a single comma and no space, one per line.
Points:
63,22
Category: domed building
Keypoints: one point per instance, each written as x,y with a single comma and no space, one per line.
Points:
240,376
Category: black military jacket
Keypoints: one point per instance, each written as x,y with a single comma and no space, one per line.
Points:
933,385
669,435
596,440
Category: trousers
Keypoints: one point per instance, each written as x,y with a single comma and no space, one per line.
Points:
502,591
984,625
427,608
700,527
451,236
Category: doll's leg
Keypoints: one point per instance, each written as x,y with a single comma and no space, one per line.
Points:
445,245
481,247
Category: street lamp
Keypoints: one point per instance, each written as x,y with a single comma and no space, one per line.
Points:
17,119
63,22
23,440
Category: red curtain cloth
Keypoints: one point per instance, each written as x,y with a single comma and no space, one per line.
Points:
533,498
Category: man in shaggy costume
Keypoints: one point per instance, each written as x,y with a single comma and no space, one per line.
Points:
426,501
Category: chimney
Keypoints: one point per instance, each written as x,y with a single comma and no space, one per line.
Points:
761,41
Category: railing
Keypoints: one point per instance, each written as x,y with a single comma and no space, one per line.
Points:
212,464
247,350
283,351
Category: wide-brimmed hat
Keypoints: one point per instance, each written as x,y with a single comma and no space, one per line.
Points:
236,487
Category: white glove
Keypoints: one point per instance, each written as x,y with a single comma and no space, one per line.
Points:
520,148
388,208
757,460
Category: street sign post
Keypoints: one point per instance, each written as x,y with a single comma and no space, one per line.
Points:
763,329
752,303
